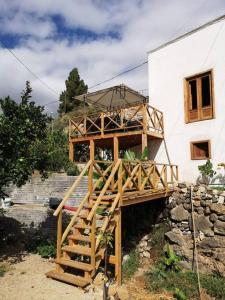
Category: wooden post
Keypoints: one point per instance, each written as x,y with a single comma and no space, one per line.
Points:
71,151
59,239
145,122
139,177
93,242
118,269
144,142
115,148
92,149
102,124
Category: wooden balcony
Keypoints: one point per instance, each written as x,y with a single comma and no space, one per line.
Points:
141,118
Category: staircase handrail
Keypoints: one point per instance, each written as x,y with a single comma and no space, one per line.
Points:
75,184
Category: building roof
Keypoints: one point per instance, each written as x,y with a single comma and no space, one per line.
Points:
113,97
188,33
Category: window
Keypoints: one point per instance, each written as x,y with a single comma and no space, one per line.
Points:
201,150
199,97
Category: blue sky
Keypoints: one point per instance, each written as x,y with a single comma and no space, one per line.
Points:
100,38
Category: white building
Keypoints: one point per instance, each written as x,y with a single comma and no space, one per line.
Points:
187,82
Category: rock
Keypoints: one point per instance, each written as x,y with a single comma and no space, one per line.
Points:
182,185
184,190
187,206
203,224
145,237
218,208
213,242
122,293
213,217
196,203
207,211
222,218
175,237
179,213
203,203
201,236
219,227
200,210
99,279
146,254
202,189
221,200
126,258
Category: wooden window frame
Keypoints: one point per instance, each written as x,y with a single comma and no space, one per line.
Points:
192,149
200,109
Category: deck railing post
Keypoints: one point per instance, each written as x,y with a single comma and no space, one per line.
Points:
102,123
145,121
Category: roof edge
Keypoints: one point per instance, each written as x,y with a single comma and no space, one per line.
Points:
218,19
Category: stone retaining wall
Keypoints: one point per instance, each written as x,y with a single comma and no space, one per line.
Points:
38,191
209,219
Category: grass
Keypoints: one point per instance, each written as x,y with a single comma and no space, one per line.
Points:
131,265
184,284
158,238
4,267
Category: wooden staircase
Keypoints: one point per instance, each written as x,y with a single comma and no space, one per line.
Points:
110,185
79,248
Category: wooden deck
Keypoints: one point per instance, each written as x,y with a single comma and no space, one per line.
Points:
135,119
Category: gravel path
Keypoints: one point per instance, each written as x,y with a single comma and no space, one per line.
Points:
27,281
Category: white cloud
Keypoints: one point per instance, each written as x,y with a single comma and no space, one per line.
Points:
143,25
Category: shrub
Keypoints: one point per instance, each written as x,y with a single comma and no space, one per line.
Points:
47,251
73,170
131,265
215,285
2,270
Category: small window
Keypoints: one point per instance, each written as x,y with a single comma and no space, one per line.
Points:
201,150
199,97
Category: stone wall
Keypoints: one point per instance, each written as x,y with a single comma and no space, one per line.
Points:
38,191
209,219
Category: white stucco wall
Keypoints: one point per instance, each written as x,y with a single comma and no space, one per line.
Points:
168,66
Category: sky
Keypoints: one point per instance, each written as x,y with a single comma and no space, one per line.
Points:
100,37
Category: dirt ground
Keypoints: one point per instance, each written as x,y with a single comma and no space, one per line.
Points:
26,280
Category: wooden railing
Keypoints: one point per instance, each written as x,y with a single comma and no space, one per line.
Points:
111,181
141,117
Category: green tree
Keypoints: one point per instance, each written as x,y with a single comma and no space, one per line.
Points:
53,151
22,125
74,87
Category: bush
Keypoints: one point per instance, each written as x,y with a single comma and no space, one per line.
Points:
131,265
2,270
215,285
47,251
73,170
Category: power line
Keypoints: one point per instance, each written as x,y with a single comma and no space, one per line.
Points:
28,68
117,75
109,79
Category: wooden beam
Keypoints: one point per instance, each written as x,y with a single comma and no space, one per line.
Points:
92,149
118,134
115,148
71,151
144,141
118,246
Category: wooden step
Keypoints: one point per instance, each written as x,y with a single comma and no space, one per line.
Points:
78,249
82,226
69,278
79,237
74,264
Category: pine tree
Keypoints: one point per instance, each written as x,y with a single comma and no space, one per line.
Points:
74,87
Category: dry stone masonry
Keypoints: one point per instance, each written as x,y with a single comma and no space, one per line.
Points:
209,219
